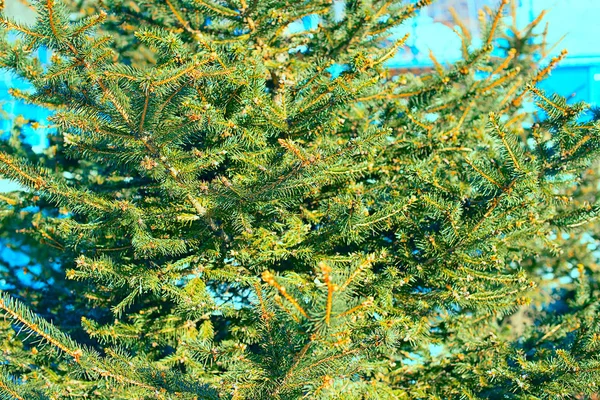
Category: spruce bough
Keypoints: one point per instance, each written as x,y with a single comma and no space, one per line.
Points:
220,215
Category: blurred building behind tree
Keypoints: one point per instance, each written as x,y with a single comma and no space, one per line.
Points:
571,25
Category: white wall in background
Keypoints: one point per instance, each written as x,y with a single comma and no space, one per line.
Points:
579,20
18,11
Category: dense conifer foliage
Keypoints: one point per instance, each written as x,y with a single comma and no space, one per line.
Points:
231,208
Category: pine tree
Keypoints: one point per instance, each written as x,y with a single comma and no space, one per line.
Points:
234,209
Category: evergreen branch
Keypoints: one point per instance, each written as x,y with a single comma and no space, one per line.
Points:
194,65
460,122
200,209
545,71
299,357
8,200
551,103
400,17
289,146
53,242
577,146
438,67
386,216
500,81
502,136
494,203
168,100
223,11
393,50
278,33
576,218
63,71
50,8
495,23
465,35
330,358
538,78
270,279
24,317
265,315
326,270
358,33
503,65
178,16
268,163
366,263
42,182
18,94
13,168
382,10
549,334
144,111
509,94
91,23
8,387
284,308
492,277
119,107
195,33
365,304
492,295
57,35
13,26
419,123
444,210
